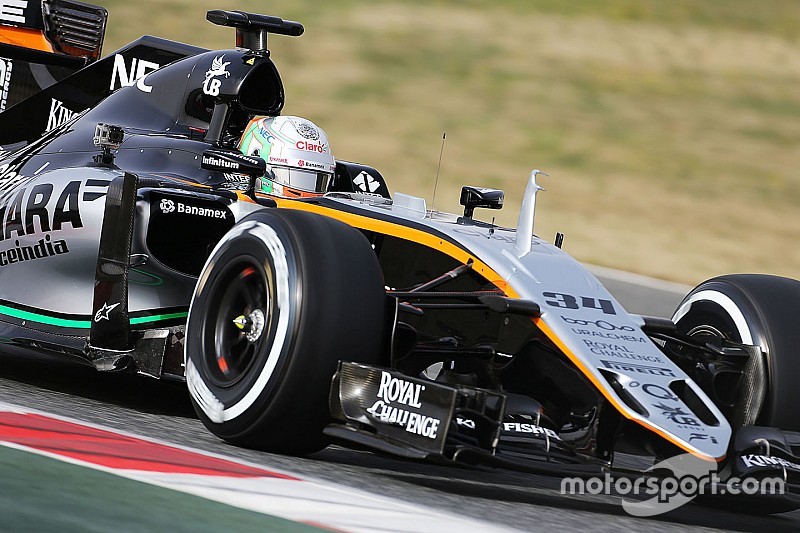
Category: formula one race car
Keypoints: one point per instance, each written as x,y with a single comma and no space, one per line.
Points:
136,236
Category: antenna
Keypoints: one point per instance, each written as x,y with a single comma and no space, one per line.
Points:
438,167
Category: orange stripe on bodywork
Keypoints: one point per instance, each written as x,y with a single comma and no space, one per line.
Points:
242,197
542,325
26,38
401,232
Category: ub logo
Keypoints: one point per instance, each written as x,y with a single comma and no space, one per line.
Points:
212,84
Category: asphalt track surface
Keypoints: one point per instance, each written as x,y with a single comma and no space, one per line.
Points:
527,502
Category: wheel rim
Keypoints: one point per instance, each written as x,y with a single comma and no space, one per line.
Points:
706,331
243,306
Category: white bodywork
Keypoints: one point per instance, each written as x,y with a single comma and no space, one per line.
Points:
582,318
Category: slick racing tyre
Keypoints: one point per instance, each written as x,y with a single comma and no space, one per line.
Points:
283,297
758,310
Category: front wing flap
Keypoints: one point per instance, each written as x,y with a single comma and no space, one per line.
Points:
411,417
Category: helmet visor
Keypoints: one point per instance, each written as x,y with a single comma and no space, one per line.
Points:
304,180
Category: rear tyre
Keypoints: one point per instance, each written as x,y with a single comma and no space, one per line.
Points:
760,310
282,298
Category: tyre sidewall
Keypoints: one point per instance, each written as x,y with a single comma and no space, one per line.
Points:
755,309
271,247
337,310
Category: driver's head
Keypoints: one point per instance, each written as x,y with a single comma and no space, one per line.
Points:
299,159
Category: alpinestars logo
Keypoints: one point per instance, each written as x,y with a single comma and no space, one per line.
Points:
366,183
167,205
104,312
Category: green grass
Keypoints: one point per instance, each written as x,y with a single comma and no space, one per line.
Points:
669,128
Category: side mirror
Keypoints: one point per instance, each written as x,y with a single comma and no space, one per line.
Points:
472,197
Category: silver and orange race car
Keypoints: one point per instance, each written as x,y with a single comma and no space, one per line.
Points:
136,236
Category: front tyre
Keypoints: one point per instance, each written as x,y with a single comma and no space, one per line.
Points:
758,310
283,297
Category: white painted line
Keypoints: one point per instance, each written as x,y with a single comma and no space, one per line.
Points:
300,499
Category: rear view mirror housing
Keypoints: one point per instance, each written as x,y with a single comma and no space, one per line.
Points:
472,197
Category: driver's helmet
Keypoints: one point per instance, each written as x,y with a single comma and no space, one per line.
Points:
299,159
